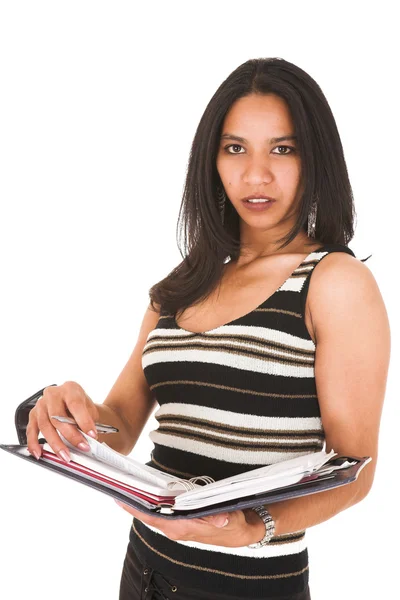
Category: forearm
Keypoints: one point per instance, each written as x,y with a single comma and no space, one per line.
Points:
245,527
125,439
301,513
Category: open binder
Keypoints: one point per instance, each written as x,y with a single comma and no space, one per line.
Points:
155,492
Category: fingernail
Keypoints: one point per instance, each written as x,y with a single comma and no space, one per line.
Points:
84,446
226,522
92,434
219,523
64,455
36,455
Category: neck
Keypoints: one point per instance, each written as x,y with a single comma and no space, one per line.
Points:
260,246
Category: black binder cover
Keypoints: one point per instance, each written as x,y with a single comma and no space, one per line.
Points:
311,486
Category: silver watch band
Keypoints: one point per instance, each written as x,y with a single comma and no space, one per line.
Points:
269,526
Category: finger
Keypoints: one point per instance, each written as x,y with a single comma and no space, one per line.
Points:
219,520
184,529
133,511
157,522
69,433
32,435
141,516
52,437
64,401
82,409
52,401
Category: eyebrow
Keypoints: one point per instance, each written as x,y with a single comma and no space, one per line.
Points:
275,140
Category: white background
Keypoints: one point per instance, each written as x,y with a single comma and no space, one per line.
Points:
98,107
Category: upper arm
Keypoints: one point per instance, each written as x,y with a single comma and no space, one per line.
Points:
130,395
352,356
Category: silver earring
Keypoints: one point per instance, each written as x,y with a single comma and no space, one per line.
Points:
312,220
221,201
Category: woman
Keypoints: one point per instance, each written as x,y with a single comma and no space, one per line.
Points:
251,359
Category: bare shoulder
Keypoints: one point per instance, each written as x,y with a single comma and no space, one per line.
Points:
343,270
154,307
150,318
341,287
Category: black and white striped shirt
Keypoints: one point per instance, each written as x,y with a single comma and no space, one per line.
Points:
239,396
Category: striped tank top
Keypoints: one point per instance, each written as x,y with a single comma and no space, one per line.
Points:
233,398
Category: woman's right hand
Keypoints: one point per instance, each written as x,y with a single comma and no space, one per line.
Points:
66,400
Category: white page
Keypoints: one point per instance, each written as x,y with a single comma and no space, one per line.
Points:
184,501
103,453
263,475
103,468
280,477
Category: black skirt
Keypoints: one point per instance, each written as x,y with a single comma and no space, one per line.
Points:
139,581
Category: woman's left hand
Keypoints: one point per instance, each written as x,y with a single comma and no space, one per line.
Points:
224,529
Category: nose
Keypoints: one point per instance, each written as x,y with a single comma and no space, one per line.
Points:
258,171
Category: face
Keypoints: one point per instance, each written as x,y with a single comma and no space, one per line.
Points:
258,164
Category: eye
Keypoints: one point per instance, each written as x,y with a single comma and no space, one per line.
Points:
233,146
292,150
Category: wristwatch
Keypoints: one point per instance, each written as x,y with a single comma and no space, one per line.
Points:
269,526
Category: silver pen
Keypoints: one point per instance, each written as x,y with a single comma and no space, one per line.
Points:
101,427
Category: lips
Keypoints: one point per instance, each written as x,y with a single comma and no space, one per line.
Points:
261,196
257,207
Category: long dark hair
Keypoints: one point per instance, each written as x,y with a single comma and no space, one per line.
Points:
207,241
